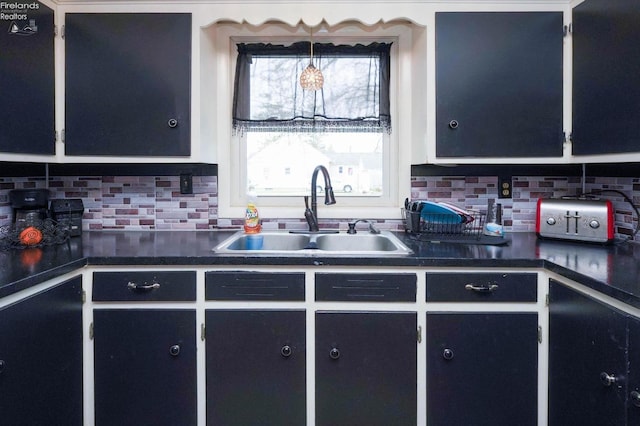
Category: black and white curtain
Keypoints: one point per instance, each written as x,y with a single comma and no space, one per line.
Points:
355,96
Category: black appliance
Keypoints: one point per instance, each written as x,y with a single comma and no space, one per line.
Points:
30,206
68,214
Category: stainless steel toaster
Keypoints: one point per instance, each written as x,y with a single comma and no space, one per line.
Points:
575,219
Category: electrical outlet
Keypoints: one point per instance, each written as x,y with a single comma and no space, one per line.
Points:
504,186
186,183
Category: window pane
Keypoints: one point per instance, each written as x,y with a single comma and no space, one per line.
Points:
351,90
281,163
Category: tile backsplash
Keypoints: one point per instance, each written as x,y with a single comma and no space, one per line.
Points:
128,202
155,202
519,212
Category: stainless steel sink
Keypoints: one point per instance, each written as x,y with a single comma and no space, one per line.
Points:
309,244
271,241
357,242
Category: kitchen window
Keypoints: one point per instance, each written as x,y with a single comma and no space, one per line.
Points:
275,146
343,123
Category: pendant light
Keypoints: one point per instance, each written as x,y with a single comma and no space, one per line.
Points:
311,78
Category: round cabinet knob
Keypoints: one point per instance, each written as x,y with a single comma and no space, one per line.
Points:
174,350
594,224
607,379
551,221
172,123
635,398
286,351
334,353
1,365
453,124
447,354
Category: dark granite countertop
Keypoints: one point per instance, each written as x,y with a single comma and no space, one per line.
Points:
613,270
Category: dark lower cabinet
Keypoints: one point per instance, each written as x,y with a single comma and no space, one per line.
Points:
587,360
145,367
41,358
366,368
633,389
482,369
256,367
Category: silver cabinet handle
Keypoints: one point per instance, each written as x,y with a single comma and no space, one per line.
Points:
635,398
607,379
142,287
487,288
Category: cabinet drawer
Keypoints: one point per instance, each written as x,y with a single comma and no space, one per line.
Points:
149,286
482,287
366,287
237,285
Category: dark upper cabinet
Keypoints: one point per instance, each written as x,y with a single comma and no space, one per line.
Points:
587,360
499,84
27,84
606,97
41,358
128,84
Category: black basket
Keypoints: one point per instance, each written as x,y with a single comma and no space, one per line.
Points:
443,225
52,233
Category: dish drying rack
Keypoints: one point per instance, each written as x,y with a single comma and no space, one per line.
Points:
433,227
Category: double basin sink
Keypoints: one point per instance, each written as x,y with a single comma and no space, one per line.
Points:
287,243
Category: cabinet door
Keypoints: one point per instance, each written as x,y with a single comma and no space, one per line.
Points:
27,83
482,369
41,358
499,84
145,367
127,84
633,412
256,367
366,368
606,118
587,360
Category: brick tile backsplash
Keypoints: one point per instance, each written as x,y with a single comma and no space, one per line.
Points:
155,203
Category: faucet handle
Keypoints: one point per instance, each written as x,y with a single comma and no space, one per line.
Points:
311,219
352,228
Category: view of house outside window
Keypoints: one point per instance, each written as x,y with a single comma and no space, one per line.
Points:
280,164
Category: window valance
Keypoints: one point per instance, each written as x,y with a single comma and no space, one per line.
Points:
355,95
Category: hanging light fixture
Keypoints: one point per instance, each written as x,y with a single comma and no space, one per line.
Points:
311,78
